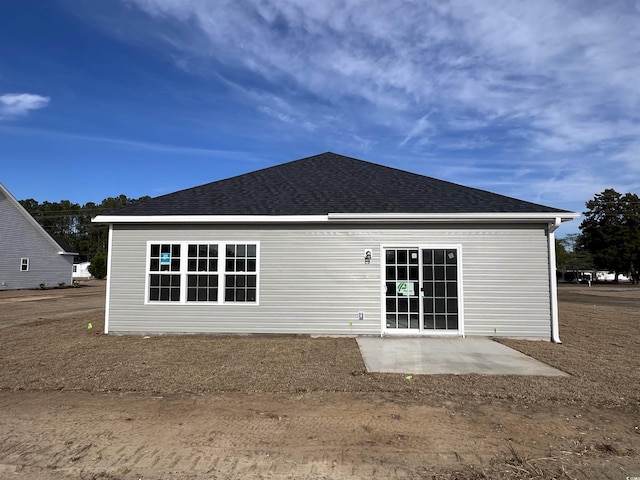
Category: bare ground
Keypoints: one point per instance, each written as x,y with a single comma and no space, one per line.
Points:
75,403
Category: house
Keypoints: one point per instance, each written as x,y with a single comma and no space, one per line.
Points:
29,256
81,271
332,245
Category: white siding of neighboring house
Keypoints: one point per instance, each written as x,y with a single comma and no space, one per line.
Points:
313,279
81,270
22,238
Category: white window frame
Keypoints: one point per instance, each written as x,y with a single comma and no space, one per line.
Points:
179,272
183,272
24,264
202,272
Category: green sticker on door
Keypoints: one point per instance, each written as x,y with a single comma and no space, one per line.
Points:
404,288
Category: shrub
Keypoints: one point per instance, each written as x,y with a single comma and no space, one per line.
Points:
98,267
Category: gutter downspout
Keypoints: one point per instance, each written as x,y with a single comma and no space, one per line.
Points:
553,282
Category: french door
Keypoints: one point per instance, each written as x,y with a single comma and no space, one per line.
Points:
422,290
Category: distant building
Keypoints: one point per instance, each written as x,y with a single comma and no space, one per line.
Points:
81,270
604,276
29,256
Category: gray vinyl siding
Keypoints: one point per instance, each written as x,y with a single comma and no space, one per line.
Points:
20,238
313,279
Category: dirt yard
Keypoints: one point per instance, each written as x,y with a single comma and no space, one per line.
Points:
75,403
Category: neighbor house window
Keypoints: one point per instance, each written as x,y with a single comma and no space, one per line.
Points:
24,264
211,272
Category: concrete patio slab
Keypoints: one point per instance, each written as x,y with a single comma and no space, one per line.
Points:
448,356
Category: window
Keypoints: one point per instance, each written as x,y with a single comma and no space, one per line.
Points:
211,272
202,286
164,276
240,273
24,264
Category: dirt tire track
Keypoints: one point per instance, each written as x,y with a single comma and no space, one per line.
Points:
80,435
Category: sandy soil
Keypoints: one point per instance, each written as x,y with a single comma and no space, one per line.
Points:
75,403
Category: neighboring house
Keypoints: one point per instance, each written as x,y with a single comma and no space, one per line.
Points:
81,270
331,245
29,256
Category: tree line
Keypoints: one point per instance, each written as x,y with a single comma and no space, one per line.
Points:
71,223
609,237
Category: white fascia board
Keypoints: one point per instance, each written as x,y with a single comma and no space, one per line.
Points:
454,217
210,219
343,217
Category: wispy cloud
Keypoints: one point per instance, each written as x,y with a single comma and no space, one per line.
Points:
287,118
534,84
14,105
538,65
126,143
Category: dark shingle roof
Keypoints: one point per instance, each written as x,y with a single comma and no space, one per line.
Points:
329,183
66,248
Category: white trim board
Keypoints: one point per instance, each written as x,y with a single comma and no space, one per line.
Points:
346,217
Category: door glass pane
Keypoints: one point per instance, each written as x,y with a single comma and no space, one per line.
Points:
452,305
428,305
413,273
391,257
391,305
429,322
403,305
452,273
403,273
391,273
427,273
428,289
414,304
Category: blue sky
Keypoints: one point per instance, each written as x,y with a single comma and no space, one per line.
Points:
536,100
